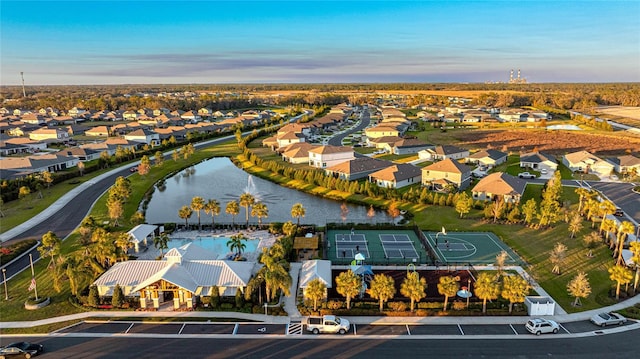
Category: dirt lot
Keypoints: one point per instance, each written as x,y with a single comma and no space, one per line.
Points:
555,142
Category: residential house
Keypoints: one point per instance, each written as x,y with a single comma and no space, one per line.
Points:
583,161
409,145
82,154
41,134
538,160
296,153
396,176
32,146
441,175
130,115
191,116
488,158
357,168
143,136
183,274
501,186
35,164
99,131
381,131
327,156
443,152
626,164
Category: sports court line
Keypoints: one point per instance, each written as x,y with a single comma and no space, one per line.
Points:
499,246
181,328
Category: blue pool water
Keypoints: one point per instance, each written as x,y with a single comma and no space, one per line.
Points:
217,245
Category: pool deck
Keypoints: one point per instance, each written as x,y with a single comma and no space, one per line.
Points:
266,240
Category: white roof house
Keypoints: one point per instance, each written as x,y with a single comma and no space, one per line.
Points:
313,269
141,234
183,267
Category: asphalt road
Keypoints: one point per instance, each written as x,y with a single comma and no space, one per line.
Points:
365,118
623,344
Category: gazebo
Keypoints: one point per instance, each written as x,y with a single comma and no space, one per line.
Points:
306,247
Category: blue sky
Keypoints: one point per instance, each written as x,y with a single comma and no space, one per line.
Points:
118,42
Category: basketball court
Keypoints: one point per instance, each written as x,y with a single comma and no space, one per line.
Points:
476,248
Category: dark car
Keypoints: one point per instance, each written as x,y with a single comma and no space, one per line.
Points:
21,350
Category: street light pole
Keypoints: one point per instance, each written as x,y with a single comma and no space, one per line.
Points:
469,290
4,279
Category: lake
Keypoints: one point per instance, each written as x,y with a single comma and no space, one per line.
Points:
220,179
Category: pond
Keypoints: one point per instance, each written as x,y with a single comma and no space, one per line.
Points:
220,179
564,127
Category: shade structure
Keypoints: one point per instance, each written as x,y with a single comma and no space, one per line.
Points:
359,257
464,293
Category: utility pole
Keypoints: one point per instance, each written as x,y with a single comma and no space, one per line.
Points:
24,94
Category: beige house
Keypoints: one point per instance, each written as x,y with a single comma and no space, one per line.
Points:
42,134
626,164
327,156
381,131
360,167
442,174
499,185
583,161
297,153
443,152
396,176
98,131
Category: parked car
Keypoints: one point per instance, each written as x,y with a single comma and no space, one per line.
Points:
526,175
327,324
133,169
21,350
543,171
619,212
604,319
539,326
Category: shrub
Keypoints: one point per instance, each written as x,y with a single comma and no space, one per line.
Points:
430,305
215,296
239,299
226,306
459,305
334,304
118,297
94,299
398,306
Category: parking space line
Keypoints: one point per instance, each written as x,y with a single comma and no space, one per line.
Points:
235,329
460,328
514,329
355,331
565,329
408,330
130,326
181,328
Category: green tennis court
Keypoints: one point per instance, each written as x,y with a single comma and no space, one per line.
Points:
476,248
378,247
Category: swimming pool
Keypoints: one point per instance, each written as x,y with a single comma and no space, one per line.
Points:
217,245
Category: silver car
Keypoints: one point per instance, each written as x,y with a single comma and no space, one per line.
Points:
604,319
539,326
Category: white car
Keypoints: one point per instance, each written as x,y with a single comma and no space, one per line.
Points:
604,319
526,175
539,326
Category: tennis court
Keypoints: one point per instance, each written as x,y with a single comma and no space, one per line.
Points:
347,245
476,248
380,247
398,246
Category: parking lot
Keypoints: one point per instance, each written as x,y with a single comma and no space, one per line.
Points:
259,329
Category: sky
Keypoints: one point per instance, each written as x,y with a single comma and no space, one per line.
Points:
166,42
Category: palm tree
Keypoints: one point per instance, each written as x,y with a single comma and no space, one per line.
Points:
575,224
197,204
247,200
609,227
185,213
606,207
634,247
73,267
579,287
298,211
448,286
212,207
382,288
487,288
557,257
161,242
584,194
50,247
501,259
315,290
233,209
348,285
413,287
620,275
123,242
626,228
514,289
276,278
288,228
260,210
236,243
591,240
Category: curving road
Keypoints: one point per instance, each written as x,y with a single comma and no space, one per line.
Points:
365,118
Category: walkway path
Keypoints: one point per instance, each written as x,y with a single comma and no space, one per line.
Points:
290,305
